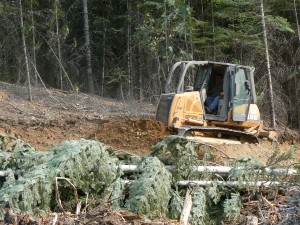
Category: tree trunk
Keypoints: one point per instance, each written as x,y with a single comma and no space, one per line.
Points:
87,48
121,90
60,75
297,22
272,109
140,74
33,46
103,61
296,81
187,206
166,37
213,30
129,52
139,65
25,50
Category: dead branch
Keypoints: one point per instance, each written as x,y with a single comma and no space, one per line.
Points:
187,206
57,191
218,149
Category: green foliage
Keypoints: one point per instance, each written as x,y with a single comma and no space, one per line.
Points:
280,23
244,170
94,168
181,153
215,192
86,163
199,215
151,191
232,207
117,194
18,155
176,205
139,39
117,75
9,179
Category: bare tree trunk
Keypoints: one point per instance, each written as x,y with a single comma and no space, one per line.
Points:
88,48
213,29
33,45
138,59
60,76
103,61
296,81
129,50
159,69
121,90
273,118
297,22
185,36
140,74
191,43
166,38
25,50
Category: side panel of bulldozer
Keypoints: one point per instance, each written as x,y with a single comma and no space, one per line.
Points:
163,108
175,110
187,116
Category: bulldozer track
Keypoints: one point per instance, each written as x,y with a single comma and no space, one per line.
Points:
184,130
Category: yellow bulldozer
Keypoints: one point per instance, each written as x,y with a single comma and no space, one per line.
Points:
212,99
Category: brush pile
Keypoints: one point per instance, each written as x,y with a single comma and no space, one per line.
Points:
81,175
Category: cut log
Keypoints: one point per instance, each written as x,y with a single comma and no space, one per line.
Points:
231,183
219,169
207,169
187,206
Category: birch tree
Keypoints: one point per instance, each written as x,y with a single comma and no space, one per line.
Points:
33,45
25,50
103,60
129,49
60,76
268,64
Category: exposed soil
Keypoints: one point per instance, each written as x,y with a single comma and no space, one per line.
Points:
262,152
54,116
134,135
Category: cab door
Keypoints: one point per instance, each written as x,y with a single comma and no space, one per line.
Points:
241,95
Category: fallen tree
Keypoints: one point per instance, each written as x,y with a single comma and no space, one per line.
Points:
89,167
87,164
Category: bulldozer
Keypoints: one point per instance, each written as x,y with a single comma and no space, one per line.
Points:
191,86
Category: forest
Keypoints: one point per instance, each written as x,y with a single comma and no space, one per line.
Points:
124,49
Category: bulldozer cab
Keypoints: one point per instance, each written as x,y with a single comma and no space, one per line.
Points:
230,86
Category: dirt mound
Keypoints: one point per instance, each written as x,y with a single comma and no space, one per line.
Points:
134,135
42,136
